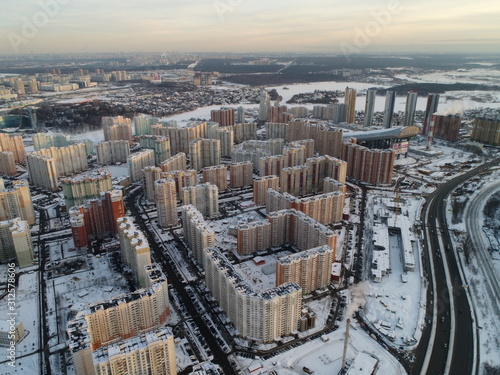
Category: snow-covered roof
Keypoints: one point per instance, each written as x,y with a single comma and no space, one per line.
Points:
381,253
363,364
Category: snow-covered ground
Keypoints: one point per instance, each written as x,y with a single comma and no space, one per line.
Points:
396,305
27,312
325,358
486,315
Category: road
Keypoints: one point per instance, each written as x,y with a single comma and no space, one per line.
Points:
450,348
219,355
474,228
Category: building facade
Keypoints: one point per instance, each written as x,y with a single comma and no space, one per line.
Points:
197,234
204,153
134,248
260,187
112,152
96,218
137,162
241,174
205,197
166,202
216,175
78,190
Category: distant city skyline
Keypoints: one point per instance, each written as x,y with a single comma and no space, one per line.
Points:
318,26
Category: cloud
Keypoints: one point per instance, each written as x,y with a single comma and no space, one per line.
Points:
251,25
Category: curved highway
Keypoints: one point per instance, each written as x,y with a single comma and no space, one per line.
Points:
450,349
474,228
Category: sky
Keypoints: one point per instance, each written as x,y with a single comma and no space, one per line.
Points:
312,26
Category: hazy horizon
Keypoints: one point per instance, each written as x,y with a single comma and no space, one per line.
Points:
243,26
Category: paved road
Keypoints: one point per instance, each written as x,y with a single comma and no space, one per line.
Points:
474,228
452,304
220,357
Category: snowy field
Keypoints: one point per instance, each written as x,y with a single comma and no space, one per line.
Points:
325,358
396,305
28,360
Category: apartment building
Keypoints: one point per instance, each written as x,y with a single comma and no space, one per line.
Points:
77,190
96,218
111,152
134,248
205,197
166,202
197,234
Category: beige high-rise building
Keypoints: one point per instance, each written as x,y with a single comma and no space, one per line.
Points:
266,316
486,131
45,166
241,174
204,197
260,186
42,171
182,179
7,163
292,226
309,147
371,166
134,248
16,242
325,208
245,132
271,165
130,314
295,180
175,163
299,112
166,202
23,246
112,152
180,138
150,174
26,204
79,189
16,202
204,153
151,353
216,175
331,184
325,166
137,162
277,201
143,123
117,128
310,269
68,160
14,144
294,155
253,237
197,234
224,116
350,102
226,137
42,140
160,146
276,130
119,321
327,140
